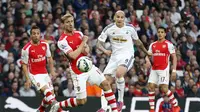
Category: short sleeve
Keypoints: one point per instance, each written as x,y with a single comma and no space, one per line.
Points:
64,46
150,48
134,34
48,52
171,48
24,56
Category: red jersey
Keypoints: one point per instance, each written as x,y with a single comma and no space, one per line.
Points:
161,52
35,57
69,43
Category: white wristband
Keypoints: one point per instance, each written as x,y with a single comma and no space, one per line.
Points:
173,70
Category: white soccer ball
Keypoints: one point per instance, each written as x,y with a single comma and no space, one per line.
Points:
84,64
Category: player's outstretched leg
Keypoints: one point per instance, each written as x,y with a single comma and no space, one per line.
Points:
43,105
104,102
109,95
171,97
69,103
151,95
49,96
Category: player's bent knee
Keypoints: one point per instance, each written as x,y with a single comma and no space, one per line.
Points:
81,102
105,85
121,71
44,88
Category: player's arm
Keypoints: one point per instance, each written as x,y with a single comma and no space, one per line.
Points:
174,61
101,42
100,45
138,42
173,56
24,59
50,60
25,71
86,49
74,54
63,45
141,46
148,61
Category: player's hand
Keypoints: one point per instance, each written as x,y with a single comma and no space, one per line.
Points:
149,54
108,52
85,39
173,73
86,49
28,82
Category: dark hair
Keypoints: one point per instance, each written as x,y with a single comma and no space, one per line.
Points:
161,27
196,69
33,28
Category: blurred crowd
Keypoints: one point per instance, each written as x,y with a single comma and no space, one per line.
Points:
181,18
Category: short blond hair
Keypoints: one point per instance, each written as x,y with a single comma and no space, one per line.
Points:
66,16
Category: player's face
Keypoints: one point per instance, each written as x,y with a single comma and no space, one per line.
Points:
119,19
161,34
69,24
35,36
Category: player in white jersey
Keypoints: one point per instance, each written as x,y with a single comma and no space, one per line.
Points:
121,36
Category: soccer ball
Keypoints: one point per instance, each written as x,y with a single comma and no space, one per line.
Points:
84,64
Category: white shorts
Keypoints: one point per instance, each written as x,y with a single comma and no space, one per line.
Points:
94,76
159,76
115,61
40,80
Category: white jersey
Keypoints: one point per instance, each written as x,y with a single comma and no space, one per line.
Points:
121,38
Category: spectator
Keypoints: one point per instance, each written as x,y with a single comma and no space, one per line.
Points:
114,89
195,92
14,90
130,92
26,91
57,89
173,80
179,89
189,87
180,63
69,91
137,90
175,16
165,105
196,75
187,49
3,51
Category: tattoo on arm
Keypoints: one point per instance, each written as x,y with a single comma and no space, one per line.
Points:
100,45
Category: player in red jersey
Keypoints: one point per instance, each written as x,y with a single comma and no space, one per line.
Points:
34,56
74,45
161,51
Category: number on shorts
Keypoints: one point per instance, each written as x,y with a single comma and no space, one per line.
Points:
162,79
126,60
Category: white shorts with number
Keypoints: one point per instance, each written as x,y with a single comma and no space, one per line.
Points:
94,76
40,80
159,76
115,61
